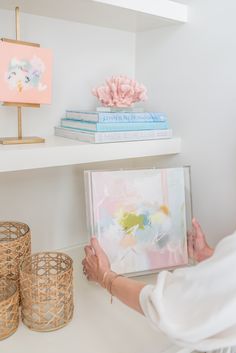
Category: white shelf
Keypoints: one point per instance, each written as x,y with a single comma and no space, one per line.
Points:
129,15
97,326
58,151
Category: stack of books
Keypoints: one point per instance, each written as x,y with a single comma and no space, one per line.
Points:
106,125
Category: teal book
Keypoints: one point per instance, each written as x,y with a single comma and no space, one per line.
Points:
115,116
101,127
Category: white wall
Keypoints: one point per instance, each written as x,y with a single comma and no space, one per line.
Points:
83,57
190,72
51,201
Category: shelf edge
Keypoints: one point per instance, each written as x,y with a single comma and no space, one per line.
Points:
72,154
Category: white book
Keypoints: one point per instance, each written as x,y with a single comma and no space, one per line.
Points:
113,136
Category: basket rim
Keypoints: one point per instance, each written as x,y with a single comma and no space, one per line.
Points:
52,329
16,289
10,333
22,271
28,231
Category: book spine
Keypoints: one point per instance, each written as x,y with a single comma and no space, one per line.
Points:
120,117
80,125
89,116
162,125
102,127
103,137
116,117
126,136
74,135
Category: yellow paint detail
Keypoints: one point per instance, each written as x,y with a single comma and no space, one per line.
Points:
165,209
130,220
157,217
19,86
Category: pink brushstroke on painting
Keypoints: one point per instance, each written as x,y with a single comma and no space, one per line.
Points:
170,257
25,73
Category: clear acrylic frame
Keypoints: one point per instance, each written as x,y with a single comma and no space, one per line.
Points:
91,218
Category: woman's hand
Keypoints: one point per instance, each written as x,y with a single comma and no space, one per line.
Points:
96,262
198,248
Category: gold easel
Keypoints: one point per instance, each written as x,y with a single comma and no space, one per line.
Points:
20,139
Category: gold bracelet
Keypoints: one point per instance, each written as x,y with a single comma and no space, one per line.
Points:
104,279
111,283
105,274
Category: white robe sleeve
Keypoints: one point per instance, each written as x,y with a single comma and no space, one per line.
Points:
196,306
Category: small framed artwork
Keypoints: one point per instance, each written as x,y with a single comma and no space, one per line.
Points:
140,217
25,73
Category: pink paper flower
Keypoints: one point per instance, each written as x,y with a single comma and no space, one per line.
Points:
120,91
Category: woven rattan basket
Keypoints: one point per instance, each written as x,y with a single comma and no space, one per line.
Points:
9,307
15,245
46,282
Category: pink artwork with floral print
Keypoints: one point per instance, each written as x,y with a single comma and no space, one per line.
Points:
25,73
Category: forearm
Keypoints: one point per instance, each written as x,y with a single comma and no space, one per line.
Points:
126,290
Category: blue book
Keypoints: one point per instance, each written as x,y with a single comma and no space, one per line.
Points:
115,117
130,126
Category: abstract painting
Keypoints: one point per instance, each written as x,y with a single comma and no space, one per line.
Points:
25,73
139,217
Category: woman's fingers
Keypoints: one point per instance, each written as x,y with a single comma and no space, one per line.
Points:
190,244
197,227
200,238
88,250
95,262
95,245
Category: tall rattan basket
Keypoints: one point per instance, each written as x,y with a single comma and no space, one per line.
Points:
46,282
9,307
15,245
